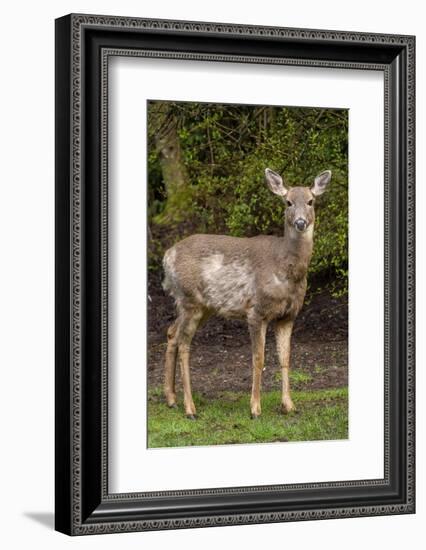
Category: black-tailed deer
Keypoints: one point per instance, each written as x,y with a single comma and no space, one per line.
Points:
261,279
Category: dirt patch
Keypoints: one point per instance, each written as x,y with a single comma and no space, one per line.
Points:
221,356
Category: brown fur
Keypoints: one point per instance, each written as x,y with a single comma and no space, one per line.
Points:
262,279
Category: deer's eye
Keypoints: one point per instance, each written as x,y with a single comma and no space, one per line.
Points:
289,203
310,202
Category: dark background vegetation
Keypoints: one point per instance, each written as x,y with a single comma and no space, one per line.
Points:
206,174
206,167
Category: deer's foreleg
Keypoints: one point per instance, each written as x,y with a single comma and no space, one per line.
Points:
257,335
283,330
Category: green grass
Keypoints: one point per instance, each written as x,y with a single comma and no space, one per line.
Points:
298,378
320,414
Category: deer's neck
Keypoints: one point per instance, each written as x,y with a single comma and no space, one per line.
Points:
297,248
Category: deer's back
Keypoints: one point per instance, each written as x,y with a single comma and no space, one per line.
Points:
233,276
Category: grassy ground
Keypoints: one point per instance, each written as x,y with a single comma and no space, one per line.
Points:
320,414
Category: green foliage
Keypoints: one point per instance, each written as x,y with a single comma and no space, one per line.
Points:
226,149
320,415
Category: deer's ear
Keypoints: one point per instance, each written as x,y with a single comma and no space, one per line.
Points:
275,183
320,183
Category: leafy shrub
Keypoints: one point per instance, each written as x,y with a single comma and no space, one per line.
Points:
225,150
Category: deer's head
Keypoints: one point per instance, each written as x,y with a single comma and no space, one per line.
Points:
300,200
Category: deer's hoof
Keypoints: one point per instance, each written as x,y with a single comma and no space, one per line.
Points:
172,405
287,407
255,416
191,417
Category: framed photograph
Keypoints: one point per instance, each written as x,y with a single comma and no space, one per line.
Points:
234,274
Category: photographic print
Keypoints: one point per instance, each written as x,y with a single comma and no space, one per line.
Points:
247,274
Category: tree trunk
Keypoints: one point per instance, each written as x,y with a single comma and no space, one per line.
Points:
175,176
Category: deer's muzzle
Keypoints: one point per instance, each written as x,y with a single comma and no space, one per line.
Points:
300,224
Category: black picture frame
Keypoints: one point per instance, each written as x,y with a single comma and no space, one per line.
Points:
83,45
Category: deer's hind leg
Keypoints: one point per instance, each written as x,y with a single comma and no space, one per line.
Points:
189,323
170,364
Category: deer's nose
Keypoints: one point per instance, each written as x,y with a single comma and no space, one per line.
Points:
300,224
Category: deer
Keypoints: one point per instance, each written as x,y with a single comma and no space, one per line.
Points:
261,279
